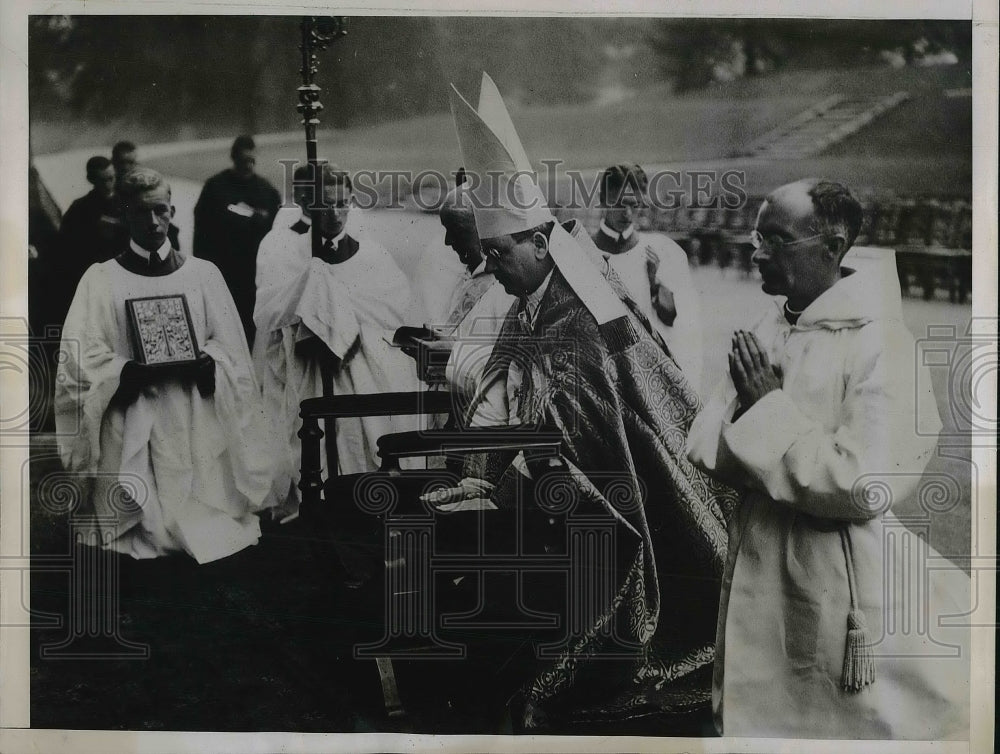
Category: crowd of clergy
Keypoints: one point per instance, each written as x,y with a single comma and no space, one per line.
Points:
755,487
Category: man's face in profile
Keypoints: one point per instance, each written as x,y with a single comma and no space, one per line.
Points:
790,253
460,234
520,266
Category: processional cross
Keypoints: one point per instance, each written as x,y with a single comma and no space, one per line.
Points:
317,33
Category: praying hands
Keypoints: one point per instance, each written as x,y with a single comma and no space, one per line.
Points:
753,374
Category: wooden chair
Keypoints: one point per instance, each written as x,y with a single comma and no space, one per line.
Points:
409,556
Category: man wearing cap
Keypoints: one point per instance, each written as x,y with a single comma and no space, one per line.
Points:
652,266
341,308
174,455
817,423
577,357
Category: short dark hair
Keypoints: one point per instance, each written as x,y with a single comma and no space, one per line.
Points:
242,143
122,147
837,211
545,229
330,174
616,178
96,164
139,181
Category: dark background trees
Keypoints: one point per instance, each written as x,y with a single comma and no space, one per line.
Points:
186,76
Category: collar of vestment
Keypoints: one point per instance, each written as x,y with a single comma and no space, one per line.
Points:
863,294
303,224
339,249
335,241
161,252
141,262
612,242
531,304
480,269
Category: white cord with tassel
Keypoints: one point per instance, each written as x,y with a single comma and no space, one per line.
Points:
859,659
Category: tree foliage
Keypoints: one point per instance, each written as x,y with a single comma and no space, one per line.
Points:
694,52
239,73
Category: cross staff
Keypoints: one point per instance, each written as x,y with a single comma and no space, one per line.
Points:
317,33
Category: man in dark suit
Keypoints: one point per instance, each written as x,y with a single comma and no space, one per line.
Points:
234,212
91,231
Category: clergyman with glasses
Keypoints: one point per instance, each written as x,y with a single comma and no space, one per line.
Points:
815,423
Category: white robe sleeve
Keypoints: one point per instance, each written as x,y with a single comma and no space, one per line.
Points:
88,373
684,340
327,309
849,471
704,448
237,399
475,337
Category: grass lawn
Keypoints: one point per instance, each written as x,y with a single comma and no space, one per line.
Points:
922,147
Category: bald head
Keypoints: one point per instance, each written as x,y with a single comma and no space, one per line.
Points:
807,227
460,226
821,206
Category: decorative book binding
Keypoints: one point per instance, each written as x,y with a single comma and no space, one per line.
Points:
161,330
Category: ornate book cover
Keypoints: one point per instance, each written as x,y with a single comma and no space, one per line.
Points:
161,329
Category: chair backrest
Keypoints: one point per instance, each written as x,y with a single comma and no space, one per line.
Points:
331,408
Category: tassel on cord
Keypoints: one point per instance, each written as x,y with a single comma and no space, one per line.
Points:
859,658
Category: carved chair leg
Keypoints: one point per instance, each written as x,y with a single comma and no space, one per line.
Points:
311,481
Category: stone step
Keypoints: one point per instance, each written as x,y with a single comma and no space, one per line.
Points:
822,125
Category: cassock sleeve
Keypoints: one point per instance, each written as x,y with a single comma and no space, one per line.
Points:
674,273
237,400
88,373
703,446
849,472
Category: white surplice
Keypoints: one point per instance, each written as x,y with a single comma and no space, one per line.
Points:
673,272
354,307
172,470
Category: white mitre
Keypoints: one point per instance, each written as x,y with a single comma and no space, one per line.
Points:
507,200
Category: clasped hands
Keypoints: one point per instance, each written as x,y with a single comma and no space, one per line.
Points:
135,377
753,374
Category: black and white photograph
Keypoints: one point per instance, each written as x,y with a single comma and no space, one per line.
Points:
608,380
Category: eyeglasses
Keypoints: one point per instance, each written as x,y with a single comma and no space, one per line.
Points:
777,243
492,252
